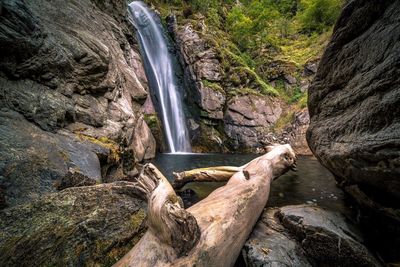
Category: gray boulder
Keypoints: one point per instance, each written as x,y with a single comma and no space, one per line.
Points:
81,226
305,235
34,161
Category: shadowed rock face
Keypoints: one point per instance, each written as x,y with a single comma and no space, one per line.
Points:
248,119
305,235
354,105
33,161
72,63
81,226
72,70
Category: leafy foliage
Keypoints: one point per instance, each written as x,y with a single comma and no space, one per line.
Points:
258,40
318,15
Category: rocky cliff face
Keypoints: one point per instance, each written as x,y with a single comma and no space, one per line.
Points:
71,93
354,104
229,112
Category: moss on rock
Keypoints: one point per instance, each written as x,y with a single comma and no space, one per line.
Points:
73,228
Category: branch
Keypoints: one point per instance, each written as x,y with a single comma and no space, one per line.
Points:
167,219
210,174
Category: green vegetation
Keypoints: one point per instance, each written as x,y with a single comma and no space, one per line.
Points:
260,41
214,86
243,91
151,120
115,152
319,15
284,120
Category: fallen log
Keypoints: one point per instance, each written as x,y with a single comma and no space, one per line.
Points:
213,231
210,174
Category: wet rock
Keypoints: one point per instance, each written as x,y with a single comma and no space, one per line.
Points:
305,235
354,105
33,161
72,227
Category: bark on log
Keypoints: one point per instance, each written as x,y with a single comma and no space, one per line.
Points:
213,231
211,174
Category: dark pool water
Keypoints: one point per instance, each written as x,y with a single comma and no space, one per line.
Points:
312,183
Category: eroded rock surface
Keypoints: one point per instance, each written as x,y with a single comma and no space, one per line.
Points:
249,117
72,62
81,226
354,105
229,106
305,235
33,161
72,70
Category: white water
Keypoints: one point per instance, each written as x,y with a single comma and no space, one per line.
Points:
160,75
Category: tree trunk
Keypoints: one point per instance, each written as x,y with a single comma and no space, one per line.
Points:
213,231
210,174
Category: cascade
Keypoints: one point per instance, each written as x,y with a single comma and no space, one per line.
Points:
161,76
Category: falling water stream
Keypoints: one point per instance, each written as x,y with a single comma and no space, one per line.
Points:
161,76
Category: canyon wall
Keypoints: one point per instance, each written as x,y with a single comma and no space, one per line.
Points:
72,87
354,105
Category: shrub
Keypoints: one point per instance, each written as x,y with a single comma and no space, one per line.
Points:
318,15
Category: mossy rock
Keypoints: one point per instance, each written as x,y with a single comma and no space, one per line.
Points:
80,226
155,126
213,85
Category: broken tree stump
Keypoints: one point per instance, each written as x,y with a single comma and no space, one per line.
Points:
213,231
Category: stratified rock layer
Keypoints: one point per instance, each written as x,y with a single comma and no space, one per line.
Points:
230,107
81,226
248,119
354,105
72,70
71,62
305,235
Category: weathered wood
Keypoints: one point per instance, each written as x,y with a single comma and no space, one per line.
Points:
167,219
225,218
210,174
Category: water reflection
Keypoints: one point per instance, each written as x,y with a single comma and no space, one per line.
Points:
312,183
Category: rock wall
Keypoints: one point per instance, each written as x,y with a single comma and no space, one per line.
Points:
71,93
228,111
354,105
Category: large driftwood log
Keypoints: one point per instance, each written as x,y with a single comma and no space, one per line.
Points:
211,174
213,231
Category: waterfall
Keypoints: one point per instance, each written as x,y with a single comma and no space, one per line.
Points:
161,76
